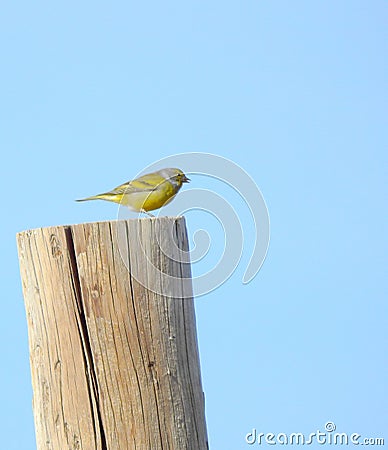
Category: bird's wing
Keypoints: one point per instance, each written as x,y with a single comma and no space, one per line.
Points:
146,183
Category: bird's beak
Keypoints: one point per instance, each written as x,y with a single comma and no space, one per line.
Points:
185,179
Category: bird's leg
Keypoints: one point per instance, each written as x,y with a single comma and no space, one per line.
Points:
146,212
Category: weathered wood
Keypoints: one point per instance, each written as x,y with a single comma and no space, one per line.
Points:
114,365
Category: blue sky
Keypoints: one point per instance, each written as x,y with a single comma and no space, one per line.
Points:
294,93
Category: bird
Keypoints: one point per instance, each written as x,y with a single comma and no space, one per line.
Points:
146,193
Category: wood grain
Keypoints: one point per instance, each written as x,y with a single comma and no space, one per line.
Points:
114,364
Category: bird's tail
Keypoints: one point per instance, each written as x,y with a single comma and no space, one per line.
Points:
108,196
93,197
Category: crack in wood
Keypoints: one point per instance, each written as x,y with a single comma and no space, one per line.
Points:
83,332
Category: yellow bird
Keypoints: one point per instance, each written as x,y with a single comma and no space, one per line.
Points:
146,193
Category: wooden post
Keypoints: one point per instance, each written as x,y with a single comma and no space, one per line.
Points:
114,365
